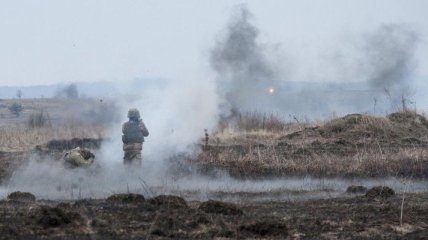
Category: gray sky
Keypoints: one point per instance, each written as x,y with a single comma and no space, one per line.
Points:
53,41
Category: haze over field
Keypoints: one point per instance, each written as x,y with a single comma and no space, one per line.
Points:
310,60
292,58
255,111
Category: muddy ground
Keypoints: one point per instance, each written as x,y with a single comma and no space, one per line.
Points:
130,216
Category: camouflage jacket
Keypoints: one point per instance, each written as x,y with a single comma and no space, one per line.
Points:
134,132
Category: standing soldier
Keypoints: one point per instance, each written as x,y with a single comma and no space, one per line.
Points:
134,132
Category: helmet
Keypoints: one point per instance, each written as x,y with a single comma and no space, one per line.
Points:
133,113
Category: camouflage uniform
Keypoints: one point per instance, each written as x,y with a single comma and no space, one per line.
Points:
78,158
134,132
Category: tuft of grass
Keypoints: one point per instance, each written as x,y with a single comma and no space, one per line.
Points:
39,120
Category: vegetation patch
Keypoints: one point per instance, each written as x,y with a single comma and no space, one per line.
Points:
218,207
21,197
168,201
268,228
126,198
380,193
48,217
356,189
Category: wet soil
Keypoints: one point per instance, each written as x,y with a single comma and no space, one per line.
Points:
170,217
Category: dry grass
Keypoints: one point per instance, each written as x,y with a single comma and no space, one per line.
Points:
256,121
354,145
61,111
254,128
43,120
262,161
16,138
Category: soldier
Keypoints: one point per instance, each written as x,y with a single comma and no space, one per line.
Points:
134,132
77,157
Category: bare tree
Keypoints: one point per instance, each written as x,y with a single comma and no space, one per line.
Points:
19,94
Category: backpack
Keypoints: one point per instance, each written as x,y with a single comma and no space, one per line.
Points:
132,133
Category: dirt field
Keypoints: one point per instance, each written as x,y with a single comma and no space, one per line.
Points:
129,216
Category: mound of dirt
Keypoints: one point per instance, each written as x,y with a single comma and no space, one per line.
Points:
408,117
355,126
126,198
266,228
399,128
168,201
68,144
356,189
21,197
218,207
49,217
380,193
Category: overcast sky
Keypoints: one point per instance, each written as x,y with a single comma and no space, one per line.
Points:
53,41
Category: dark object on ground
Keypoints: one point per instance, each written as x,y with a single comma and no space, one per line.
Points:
126,198
21,197
356,189
168,201
55,217
266,228
62,145
380,193
218,207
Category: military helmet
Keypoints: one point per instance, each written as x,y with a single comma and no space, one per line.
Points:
133,113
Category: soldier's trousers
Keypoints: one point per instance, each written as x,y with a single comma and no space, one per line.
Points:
132,154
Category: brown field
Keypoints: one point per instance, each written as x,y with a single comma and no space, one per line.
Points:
60,118
252,145
246,146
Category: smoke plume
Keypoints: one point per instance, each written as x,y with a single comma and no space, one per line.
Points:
373,75
176,112
246,77
390,53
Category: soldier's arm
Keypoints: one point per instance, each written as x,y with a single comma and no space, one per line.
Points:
144,129
123,128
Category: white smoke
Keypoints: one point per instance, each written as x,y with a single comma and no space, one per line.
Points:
176,115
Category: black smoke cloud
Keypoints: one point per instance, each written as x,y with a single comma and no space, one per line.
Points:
387,64
383,62
245,73
390,55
